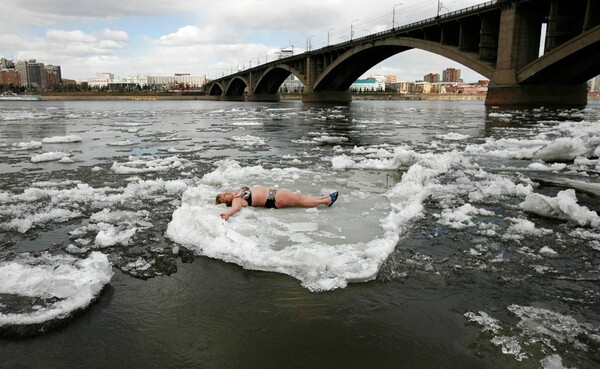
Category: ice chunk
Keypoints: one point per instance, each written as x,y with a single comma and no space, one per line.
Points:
64,282
31,145
49,156
562,149
553,361
62,139
564,206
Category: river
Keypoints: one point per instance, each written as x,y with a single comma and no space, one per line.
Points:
463,237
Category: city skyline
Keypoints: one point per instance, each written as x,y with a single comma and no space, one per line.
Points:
164,38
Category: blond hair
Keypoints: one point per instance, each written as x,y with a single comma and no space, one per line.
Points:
220,200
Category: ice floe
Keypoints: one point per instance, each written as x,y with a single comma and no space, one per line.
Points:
62,139
51,286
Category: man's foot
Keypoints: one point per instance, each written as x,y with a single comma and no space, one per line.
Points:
333,197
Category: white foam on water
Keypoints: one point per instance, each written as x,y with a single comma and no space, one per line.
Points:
72,283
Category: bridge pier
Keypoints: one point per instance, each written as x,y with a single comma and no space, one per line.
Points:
263,97
327,97
537,95
232,98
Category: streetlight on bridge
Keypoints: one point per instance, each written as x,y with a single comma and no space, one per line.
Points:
308,43
394,15
331,29
351,28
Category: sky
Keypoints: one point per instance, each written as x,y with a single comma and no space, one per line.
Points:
206,37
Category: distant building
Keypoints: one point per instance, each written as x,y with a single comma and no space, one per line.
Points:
451,75
391,78
53,77
10,77
367,85
21,67
36,76
594,84
422,87
101,80
5,63
291,85
431,78
177,81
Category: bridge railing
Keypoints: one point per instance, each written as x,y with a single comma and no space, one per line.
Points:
421,22
372,35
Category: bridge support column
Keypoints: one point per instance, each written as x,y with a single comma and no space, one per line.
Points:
327,96
538,95
263,97
232,98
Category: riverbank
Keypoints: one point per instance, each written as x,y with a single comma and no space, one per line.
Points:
100,96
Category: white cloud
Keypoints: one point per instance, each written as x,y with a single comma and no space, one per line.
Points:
200,36
192,35
110,34
69,36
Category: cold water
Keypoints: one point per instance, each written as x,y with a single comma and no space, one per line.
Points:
464,237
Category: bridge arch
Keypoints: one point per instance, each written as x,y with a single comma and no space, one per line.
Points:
215,89
236,87
273,77
340,74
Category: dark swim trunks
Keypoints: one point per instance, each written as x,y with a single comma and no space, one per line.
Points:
270,203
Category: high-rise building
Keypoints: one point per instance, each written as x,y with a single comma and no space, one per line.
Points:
36,76
451,75
431,78
21,66
10,77
53,76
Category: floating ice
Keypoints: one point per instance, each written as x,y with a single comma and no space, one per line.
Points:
453,136
147,164
547,251
121,143
61,139
31,145
564,206
49,156
63,284
539,324
553,361
521,228
249,140
25,222
562,149
319,257
482,318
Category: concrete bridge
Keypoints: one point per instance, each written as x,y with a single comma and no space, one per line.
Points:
498,39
